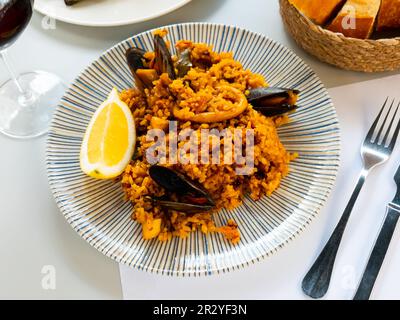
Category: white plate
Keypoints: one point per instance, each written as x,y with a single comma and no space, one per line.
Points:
103,13
97,211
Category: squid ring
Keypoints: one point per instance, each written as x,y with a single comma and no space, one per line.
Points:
240,105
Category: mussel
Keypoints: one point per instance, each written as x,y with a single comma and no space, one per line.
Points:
142,75
163,58
192,197
273,101
146,72
135,58
184,63
182,206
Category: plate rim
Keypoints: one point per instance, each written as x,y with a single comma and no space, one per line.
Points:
111,24
225,269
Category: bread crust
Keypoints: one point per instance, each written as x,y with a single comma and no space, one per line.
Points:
364,13
389,15
318,11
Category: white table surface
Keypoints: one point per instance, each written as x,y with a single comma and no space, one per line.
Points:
33,234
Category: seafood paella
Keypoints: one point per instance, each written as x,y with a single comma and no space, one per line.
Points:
193,113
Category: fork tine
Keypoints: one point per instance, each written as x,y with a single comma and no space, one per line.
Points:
385,138
374,125
396,132
383,125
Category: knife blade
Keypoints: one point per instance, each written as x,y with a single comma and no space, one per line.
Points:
396,199
381,245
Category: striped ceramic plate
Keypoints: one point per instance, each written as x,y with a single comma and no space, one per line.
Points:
97,211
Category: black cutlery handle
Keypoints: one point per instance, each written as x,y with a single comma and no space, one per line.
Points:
378,255
316,282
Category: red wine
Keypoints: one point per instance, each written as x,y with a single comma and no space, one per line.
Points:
14,17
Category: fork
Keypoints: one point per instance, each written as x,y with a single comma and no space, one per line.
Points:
375,150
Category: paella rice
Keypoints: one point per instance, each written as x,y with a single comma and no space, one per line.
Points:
207,87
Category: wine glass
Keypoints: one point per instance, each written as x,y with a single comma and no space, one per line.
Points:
27,101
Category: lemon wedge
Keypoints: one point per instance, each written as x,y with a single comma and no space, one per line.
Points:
109,140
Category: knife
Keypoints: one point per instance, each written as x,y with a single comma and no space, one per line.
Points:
381,245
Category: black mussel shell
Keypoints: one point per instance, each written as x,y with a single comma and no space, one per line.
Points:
265,92
163,58
182,186
184,64
273,101
134,57
183,207
276,110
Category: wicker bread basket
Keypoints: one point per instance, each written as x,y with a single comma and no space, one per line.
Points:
336,49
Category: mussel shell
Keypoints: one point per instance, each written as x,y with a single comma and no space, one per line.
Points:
134,57
184,64
183,207
269,92
260,99
163,57
178,183
277,110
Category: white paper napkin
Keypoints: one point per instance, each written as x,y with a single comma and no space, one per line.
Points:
280,276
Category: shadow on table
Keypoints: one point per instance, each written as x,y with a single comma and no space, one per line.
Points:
103,37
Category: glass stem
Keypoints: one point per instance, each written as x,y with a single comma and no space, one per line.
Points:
25,95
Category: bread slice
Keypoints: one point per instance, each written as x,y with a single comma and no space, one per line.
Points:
389,15
364,13
319,11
